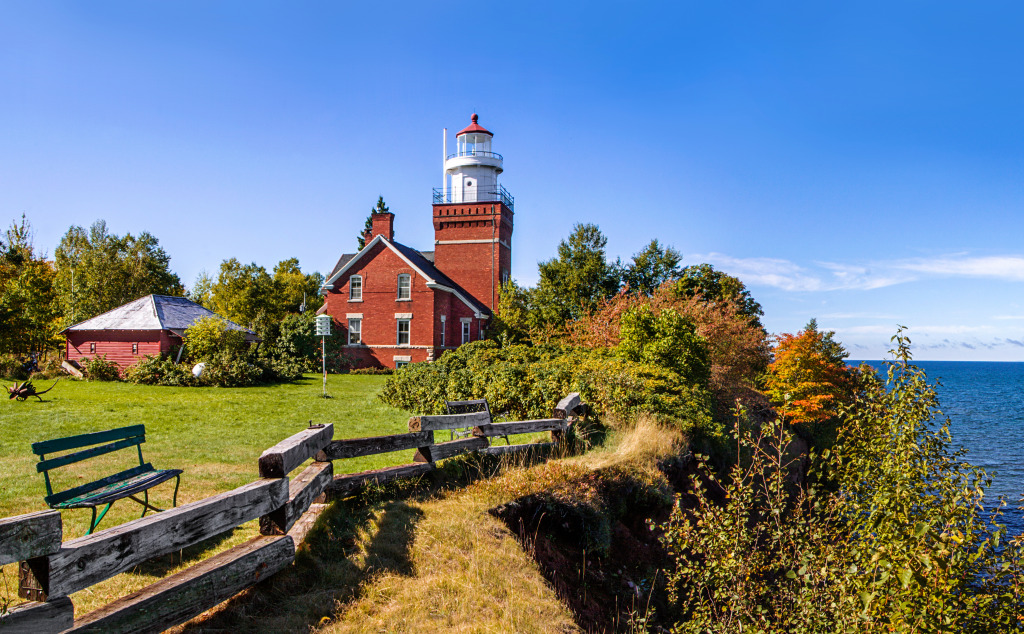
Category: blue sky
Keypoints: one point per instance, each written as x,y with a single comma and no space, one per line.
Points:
861,164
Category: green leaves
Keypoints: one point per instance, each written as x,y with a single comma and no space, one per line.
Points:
98,270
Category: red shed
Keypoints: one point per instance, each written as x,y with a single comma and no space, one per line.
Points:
150,325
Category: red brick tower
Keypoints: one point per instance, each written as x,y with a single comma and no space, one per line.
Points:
473,217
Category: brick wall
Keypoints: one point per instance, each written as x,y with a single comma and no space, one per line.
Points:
475,266
379,304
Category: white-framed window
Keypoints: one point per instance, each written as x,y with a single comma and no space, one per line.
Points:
465,330
403,332
355,288
443,317
355,330
400,364
505,276
404,286
402,361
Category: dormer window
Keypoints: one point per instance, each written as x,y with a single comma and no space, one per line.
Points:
355,288
404,286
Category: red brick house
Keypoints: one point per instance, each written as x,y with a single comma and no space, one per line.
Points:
394,304
150,325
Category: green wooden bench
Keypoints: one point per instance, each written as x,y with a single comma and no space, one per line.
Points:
110,489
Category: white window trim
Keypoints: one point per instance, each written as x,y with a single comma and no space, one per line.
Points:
467,330
443,318
359,320
350,297
398,332
399,290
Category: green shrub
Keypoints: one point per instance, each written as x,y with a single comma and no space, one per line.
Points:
890,534
160,370
210,336
372,371
11,368
523,382
99,369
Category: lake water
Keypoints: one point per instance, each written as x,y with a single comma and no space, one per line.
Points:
985,404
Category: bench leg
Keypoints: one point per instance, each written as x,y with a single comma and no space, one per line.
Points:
177,482
146,506
96,520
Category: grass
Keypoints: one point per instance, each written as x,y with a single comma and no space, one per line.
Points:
214,434
430,557
421,556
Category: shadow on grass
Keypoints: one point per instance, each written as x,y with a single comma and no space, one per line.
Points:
352,541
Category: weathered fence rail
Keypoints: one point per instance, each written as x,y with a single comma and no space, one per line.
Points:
51,570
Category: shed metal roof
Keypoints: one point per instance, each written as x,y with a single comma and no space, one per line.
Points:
155,312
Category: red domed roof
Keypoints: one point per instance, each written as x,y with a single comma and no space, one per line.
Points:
475,127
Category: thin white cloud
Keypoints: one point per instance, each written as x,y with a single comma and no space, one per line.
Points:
837,276
1010,268
857,316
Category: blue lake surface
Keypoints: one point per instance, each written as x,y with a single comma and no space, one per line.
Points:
985,404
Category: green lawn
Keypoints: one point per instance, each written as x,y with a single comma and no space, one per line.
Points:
215,435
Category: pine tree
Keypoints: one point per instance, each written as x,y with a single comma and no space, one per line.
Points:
380,208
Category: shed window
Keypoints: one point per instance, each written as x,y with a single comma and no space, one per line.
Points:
403,332
355,331
92,347
355,288
135,348
404,286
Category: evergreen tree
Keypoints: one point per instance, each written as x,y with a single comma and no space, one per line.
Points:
380,208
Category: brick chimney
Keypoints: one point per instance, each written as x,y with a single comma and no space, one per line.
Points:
383,225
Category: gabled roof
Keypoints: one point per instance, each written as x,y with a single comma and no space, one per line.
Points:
155,312
421,262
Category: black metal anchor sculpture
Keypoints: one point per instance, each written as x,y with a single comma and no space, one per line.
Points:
24,390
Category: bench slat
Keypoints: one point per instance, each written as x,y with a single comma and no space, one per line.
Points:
120,490
84,440
63,496
53,463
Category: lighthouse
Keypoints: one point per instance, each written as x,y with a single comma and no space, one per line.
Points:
473,216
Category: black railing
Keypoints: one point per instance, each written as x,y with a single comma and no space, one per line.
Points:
476,153
500,194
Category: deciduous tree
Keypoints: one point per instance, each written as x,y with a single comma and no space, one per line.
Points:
29,310
98,270
574,283
702,280
651,267
808,381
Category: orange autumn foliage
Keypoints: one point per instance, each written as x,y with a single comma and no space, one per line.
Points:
738,349
808,381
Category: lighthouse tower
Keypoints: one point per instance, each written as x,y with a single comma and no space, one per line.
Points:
473,216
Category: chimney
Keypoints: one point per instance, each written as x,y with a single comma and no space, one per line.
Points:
383,225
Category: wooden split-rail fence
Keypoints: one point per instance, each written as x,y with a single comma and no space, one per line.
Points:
51,569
